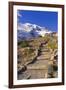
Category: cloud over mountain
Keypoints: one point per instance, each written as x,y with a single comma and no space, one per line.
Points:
28,30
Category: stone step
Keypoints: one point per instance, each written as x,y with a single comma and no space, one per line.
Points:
43,57
43,47
37,66
41,62
45,53
44,50
38,73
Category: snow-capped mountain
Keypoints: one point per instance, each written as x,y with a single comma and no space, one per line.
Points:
28,30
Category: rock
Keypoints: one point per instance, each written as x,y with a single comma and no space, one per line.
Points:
44,50
24,75
21,69
42,57
37,66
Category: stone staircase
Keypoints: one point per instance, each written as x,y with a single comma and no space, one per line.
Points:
39,69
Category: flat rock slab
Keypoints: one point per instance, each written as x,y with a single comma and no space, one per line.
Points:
44,50
24,75
45,53
43,57
37,66
41,62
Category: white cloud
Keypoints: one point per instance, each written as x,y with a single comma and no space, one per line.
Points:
25,27
19,26
18,14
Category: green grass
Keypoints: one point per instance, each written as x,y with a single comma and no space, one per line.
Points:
23,43
52,43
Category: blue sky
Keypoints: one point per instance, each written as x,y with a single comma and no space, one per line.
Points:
42,18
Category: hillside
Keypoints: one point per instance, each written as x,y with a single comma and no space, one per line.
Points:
41,50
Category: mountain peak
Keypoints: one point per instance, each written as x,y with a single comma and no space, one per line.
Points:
27,24
28,30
